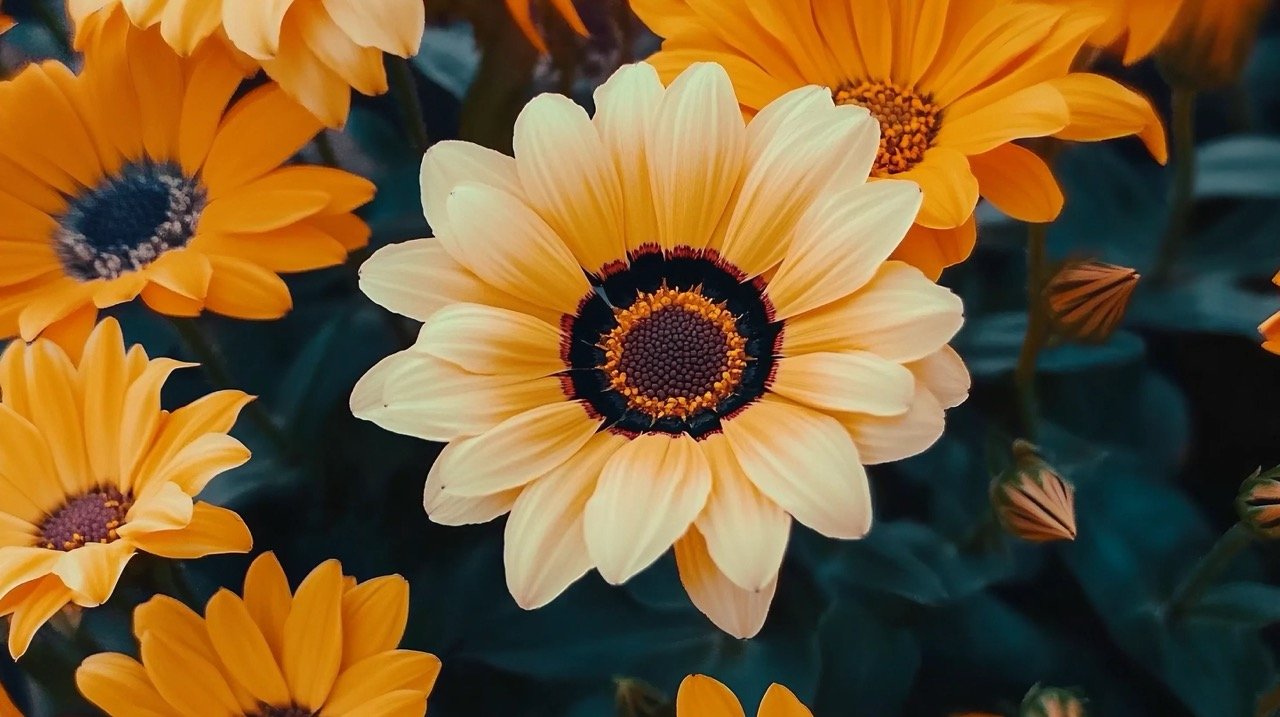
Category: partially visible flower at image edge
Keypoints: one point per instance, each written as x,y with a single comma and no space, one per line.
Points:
329,648
1134,28
522,12
664,326
317,50
702,696
147,176
1270,329
953,85
93,471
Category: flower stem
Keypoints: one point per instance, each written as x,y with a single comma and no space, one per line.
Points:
1182,199
1037,328
1190,590
405,89
215,367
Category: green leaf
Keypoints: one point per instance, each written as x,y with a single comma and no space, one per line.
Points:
1242,604
1241,167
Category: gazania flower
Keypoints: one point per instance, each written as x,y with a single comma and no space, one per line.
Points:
1134,28
1210,41
1087,299
664,327
92,471
317,50
327,649
120,183
522,11
701,696
953,85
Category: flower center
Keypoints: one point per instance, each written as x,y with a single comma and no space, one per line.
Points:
289,711
674,353
909,122
128,221
89,518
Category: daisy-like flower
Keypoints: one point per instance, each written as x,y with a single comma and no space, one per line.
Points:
953,84
317,50
328,649
93,470
1210,41
143,177
664,326
522,12
702,696
1135,28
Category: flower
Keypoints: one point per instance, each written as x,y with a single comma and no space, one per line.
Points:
6,22
1210,41
7,707
1258,503
1134,28
1087,299
663,326
1032,501
329,648
92,471
701,696
953,84
120,183
317,50
522,12
1270,329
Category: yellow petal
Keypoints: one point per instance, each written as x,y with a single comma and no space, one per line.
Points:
39,602
849,381
118,685
1101,108
212,531
243,649
92,571
781,702
313,636
267,597
746,533
702,696
184,677
380,675
488,340
374,615
1018,183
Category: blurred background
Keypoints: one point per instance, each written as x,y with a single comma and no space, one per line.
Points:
937,612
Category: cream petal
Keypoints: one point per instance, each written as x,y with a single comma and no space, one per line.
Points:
649,493
394,26
497,236
545,549
900,315
516,451
849,381
414,394
570,179
884,439
695,151
741,613
746,533
492,341
945,375
253,26
451,163
626,106
841,242
806,463
448,509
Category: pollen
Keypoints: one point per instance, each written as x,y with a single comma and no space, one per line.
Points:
909,123
674,353
93,517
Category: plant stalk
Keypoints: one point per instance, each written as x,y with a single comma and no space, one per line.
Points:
1182,199
1038,329
1210,567
406,93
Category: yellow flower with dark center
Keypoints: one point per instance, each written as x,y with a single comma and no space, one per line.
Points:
143,176
953,85
93,470
1210,41
317,50
702,696
664,326
1134,28
522,11
327,650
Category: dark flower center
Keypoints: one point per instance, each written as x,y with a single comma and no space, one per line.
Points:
909,122
670,343
90,518
128,221
289,711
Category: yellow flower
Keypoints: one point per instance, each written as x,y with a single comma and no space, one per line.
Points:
328,649
664,326
142,176
1210,41
317,50
522,11
953,84
92,470
1134,28
701,696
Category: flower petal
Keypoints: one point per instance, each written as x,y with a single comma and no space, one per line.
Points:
850,381
1018,183
118,685
312,647
741,613
488,340
746,533
374,615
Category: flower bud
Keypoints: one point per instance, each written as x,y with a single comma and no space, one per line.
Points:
1087,299
1052,702
635,698
1210,42
1258,503
1032,501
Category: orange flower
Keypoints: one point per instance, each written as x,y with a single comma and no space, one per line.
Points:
522,11
701,696
1088,299
317,50
145,176
1210,41
953,85
1134,28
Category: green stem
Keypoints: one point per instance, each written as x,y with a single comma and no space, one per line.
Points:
1203,575
215,367
1037,328
406,92
1182,199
